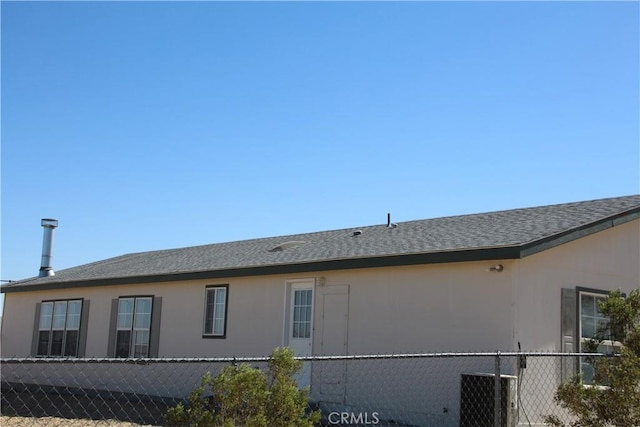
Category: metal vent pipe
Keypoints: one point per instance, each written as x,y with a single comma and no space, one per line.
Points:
46,268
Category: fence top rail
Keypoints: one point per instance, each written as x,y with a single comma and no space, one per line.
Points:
454,355
147,361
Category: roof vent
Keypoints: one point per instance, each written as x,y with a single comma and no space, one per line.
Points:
356,233
287,245
389,223
49,225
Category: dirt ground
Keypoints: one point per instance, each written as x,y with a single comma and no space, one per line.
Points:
6,421
29,408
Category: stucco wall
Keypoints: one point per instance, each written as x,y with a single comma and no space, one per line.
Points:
446,307
606,260
442,307
254,324
452,307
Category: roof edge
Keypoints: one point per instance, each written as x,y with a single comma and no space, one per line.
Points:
483,254
577,233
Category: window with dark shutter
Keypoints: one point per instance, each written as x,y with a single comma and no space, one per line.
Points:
135,326
58,328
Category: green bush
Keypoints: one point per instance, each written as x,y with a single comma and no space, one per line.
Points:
246,396
199,411
615,401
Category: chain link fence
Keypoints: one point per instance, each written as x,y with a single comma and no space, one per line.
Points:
439,389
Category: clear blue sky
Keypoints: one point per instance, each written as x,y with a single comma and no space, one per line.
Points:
143,126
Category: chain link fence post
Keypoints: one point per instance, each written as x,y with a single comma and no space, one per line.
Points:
497,394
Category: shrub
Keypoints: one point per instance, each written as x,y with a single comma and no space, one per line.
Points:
246,396
616,399
199,411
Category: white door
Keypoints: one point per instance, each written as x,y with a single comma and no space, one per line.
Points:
300,325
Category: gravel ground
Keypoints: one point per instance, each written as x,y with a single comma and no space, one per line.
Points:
60,422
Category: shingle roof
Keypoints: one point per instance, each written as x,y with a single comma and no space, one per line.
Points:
508,234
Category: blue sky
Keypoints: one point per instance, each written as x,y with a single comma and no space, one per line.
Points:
154,125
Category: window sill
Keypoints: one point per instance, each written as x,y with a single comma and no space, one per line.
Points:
214,336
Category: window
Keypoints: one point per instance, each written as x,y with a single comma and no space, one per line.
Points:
133,326
302,303
215,316
59,328
592,325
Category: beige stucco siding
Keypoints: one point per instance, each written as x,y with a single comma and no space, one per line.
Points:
254,317
452,307
606,260
442,307
254,322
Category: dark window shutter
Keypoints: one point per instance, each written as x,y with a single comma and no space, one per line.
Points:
570,342
113,323
154,341
84,325
36,330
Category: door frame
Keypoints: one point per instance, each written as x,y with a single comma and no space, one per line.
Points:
290,286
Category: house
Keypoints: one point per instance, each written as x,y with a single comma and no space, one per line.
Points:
526,278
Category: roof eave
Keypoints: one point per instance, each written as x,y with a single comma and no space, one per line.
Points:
483,254
578,233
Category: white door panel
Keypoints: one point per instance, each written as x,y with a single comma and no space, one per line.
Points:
299,324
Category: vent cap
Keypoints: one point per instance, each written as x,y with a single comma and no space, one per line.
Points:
287,245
